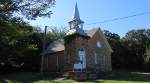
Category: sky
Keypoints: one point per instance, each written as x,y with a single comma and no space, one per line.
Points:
92,11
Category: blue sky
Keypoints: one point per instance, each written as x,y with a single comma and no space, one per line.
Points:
92,11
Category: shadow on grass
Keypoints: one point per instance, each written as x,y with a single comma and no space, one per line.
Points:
128,76
27,77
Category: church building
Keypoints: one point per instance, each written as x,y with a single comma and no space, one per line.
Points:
80,50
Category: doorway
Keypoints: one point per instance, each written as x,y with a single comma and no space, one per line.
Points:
82,60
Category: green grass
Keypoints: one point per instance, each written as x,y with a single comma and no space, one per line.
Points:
123,77
127,77
114,77
117,81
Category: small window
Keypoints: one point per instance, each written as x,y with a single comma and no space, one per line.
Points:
98,44
95,58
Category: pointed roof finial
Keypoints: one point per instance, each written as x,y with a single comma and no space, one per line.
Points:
75,15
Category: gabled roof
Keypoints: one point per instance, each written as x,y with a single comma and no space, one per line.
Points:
92,32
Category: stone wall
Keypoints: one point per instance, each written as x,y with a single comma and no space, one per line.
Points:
71,51
103,53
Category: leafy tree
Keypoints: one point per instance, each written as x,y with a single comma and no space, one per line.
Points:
147,57
55,33
11,33
129,51
18,39
114,41
139,40
31,47
30,9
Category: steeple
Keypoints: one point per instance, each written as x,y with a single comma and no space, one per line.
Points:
75,21
75,15
76,24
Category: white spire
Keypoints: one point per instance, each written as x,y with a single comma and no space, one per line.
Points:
75,15
76,24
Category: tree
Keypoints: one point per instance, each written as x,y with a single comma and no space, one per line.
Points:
30,9
130,51
19,39
12,33
139,40
114,41
32,48
55,33
147,57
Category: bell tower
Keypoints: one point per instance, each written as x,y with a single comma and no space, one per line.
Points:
75,21
76,24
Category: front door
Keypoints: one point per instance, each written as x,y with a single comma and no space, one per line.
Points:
82,60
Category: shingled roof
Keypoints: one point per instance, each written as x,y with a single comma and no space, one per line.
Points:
92,32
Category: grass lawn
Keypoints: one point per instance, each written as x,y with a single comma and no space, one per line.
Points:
126,77
115,77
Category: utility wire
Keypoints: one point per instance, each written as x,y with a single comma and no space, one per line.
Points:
120,18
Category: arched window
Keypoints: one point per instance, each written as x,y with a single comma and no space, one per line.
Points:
98,44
